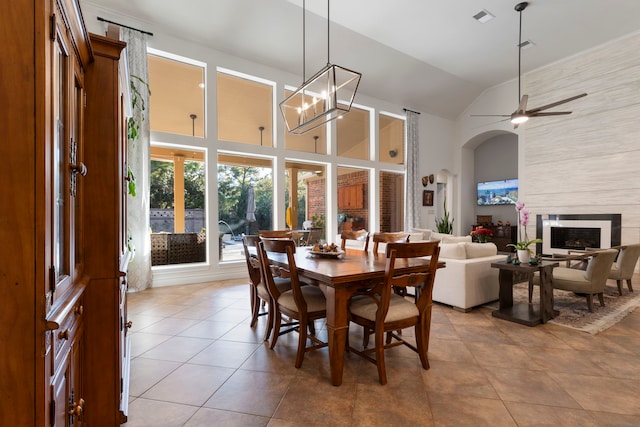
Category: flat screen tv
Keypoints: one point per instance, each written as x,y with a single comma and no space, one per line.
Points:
503,192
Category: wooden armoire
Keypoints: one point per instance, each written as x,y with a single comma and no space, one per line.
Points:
63,257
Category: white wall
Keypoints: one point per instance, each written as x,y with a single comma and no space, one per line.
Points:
586,162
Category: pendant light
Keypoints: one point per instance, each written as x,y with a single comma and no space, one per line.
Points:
316,101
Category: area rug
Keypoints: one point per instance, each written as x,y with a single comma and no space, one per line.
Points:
573,309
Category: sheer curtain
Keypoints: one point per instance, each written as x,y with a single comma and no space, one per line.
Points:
139,274
412,213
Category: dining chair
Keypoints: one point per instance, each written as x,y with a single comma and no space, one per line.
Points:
382,237
313,236
258,291
625,265
589,282
283,234
384,312
360,235
302,303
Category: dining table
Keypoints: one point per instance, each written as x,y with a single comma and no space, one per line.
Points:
339,277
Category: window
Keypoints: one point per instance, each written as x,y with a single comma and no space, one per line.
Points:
308,182
391,202
177,95
245,201
353,199
177,205
391,139
353,134
245,109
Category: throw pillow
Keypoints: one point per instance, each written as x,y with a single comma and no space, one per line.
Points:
455,239
479,250
426,232
453,251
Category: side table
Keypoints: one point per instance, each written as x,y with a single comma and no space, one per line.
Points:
525,314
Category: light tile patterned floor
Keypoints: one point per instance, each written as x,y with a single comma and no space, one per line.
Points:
196,362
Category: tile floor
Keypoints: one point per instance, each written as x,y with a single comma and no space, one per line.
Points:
196,362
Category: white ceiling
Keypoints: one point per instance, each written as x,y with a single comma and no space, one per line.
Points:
426,55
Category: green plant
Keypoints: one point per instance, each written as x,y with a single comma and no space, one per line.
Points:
137,104
318,221
523,221
444,224
131,182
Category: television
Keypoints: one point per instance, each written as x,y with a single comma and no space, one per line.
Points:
503,192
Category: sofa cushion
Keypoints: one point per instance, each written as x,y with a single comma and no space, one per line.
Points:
426,232
479,250
453,250
455,239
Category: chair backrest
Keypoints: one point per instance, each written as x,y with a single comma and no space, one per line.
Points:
599,267
360,235
267,248
315,233
399,237
253,263
283,234
627,259
424,277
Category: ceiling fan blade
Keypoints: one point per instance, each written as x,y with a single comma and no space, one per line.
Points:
522,107
491,115
550,113
544,107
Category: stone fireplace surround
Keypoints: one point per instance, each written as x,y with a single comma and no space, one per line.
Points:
609,225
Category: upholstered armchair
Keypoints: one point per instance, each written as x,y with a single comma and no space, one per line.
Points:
589,282
625,265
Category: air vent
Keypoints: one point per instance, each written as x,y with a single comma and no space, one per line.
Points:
483,16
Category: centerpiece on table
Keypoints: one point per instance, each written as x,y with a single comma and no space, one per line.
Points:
522,245
482,235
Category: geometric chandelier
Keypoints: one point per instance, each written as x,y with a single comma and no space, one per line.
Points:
316,101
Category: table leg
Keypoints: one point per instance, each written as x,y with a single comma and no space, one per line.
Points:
337,329
546,294
505,295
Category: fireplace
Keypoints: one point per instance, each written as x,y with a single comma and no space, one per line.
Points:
562,233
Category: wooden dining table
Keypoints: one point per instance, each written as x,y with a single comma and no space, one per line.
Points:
339,278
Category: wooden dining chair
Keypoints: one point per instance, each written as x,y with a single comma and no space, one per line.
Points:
383,311
283,234
360,235
381,237
258,291
302,303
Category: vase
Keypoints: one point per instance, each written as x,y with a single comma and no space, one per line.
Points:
523,256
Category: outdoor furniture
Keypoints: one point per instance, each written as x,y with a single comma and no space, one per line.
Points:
177,248
383,311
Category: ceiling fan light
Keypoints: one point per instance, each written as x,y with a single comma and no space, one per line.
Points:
518,119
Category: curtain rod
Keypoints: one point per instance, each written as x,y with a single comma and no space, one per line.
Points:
125,26
406,109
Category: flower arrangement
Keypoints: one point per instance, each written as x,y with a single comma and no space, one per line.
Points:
482,235
523,221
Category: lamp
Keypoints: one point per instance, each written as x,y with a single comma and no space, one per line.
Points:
315,102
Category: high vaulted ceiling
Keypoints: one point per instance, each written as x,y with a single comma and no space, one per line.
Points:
426,55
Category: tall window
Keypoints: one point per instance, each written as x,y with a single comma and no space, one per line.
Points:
177,202
391,210
177,95
353,199
353,134
245,109
305,194
391,138
245,201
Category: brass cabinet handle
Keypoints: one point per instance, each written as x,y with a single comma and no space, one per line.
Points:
78,168
79,310
77,408
129,324
63,335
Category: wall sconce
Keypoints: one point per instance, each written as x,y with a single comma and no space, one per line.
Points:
426,180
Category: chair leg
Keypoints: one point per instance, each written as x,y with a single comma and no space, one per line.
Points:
619,283
275,333
255,306
590,302
423,330
629,285
302,340
312,328
382,371
269,327
601,299
365,338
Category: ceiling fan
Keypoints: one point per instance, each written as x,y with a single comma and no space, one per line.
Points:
521,114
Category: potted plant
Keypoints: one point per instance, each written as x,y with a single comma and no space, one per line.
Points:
522,245
444,224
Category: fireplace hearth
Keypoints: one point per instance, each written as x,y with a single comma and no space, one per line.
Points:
562,233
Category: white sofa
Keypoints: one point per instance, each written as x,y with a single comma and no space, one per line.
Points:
468,280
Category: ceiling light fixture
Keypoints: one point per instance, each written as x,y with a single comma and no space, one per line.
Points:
483,16
315,102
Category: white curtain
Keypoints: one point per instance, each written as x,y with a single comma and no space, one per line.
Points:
412,213
139,273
